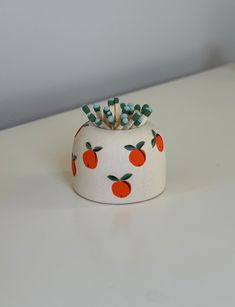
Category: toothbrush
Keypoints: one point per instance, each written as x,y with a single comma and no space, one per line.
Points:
126,109
86,109
138,122
133,119
90,115
91,118
117,112
99,123
111,105
118,115
111,120
106,109
146,113
122,105
124,122
96,108
137,107
121,117
132,109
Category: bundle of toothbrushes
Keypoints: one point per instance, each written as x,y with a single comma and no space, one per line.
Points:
118,115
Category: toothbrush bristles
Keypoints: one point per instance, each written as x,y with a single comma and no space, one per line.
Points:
116,115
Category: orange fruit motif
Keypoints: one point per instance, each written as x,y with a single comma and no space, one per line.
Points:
121,188
90,157
158,141
137,155
74,169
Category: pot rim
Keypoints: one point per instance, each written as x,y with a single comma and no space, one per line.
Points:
118,130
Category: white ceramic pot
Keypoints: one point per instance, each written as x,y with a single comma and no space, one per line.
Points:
118,166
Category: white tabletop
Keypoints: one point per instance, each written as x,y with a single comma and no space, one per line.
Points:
57,249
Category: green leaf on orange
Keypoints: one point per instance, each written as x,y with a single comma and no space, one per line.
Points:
88,145
126,176
97,148
113,178
154,133
140,145
153,142
129,147
74,157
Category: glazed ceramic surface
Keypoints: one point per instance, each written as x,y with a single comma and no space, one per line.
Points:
118,166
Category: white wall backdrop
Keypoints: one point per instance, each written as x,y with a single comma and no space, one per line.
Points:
58,54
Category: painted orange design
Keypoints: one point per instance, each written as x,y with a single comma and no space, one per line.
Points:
74,169
121,187
137,155
158,141
90,157
82,126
